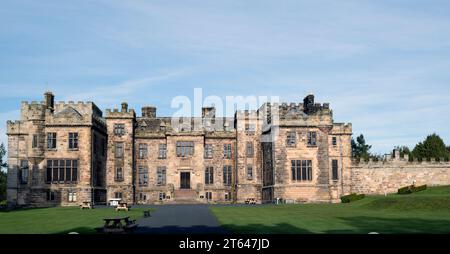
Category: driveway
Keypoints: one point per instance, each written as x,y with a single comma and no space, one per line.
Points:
180,219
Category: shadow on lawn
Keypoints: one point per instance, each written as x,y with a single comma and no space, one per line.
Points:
364,225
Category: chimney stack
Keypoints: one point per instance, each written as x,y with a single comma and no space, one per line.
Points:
49,100
308,104
208,112
124,107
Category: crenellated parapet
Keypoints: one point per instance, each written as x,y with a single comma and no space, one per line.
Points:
124,112
342,129
16,128
32,111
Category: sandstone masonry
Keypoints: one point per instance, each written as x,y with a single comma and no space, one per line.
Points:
66,153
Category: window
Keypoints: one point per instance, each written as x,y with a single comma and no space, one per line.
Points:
250,129
227,196
312,138
142,197
72,197
185,148
334,141
51,140
143,176
103,147
162,196
208,151
291,139
209,175
301,170
249,149
227,175
161,176
119,129
162,151
34,143
208,195
62,171
50,195
35,175
73,140
118,195
119,150
249,172
142,151
119,174
334,168
227,151
24,171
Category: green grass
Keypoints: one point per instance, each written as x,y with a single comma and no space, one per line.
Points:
58,220
423,212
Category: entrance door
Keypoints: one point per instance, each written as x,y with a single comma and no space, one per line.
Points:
185,181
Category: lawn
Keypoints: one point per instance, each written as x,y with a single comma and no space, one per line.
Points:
58,220
423,212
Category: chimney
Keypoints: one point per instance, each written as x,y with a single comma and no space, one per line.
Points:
308,104
49,100
149,112
208,112
124,107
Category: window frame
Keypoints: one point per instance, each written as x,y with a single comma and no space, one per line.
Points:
51,140
301,170
209,175
291,139
335,170
185,149
161,176
312,138
73,141
143,151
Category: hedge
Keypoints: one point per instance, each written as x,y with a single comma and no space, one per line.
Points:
411,189
352,197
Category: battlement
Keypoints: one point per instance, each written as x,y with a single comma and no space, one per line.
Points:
342,128
15,127
84,108
115,113
32,111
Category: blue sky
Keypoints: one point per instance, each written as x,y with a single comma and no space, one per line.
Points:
383,65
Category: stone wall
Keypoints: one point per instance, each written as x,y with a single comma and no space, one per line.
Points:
389,175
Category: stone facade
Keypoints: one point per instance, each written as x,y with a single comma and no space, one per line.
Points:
79,171
295,152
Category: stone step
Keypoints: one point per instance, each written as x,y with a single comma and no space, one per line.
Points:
185,195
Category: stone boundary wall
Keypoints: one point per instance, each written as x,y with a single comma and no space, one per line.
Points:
389,175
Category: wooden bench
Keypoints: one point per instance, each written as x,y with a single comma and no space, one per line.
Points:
147,214
122,207
86,205
118,225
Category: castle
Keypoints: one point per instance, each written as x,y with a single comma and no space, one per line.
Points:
68,153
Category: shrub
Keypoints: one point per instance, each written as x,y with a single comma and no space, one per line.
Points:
352,197
411,189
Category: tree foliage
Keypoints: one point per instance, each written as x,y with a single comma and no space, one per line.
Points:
432,147
2,174
360,150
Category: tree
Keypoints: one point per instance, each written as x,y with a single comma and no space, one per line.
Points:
360,150
432,147
2,174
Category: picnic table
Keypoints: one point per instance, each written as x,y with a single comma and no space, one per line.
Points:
86,205
122,206
118,225
251,201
